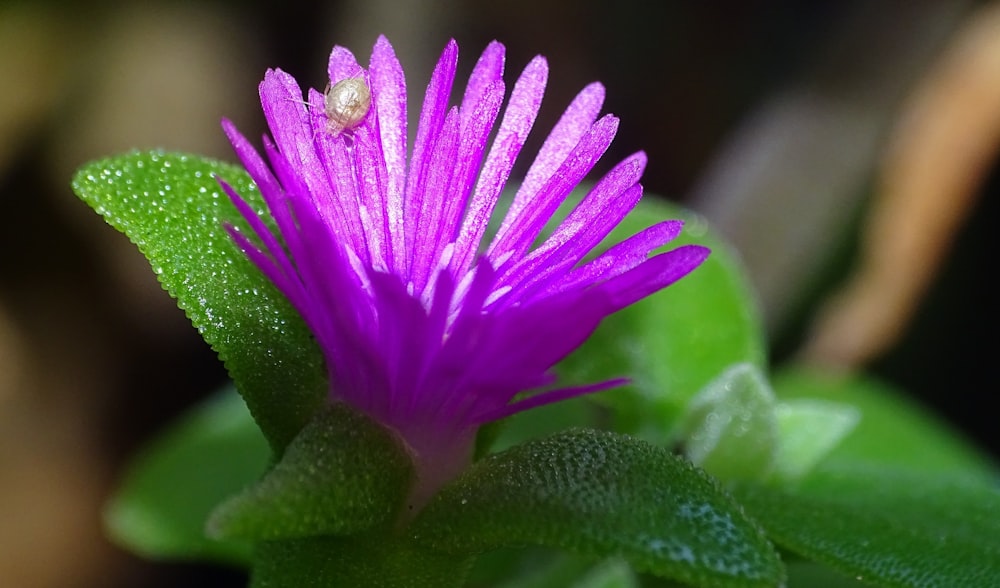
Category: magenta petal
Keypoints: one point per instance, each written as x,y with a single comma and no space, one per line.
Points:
523,225
389,96
431,208
594,218
342,65
653,275
288,119
380,252
572,126
548,398
475,128
432,117
517,121
620,258
488,71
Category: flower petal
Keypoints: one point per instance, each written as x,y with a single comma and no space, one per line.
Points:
522,226
388,86
575,122
432,118
517,121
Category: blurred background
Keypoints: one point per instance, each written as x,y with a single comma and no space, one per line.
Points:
848,150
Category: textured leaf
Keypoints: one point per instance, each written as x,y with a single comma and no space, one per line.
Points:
343,474
676,341
602,494
171,207
730,428
162,505
887,527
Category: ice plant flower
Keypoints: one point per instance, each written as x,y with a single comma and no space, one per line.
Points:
426,325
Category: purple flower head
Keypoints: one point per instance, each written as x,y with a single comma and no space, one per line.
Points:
424,325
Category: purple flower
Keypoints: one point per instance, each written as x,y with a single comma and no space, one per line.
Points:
424,326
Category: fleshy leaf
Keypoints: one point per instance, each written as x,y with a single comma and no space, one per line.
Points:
162,505
171,207
343,474
892,430
809,430
730,428
602,494
673,343
888,527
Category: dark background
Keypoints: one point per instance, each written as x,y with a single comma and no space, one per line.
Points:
94,356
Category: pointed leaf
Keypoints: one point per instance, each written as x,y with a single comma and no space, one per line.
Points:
343,474
602,494
809,430
171,207
162,505
888,527
730,428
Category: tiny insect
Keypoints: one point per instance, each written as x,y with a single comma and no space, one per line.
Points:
347,103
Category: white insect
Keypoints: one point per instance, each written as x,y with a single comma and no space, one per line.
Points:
347,104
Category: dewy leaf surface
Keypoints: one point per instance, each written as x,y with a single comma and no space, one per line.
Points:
171,207
602,494
343,474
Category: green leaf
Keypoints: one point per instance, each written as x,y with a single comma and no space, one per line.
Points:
529,567
809,429
892,431
730,428
806,574
737,431
675,342
342,475
611,573
602,494
376,561
162,505
171,207
887,527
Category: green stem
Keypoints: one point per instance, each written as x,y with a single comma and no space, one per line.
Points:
369,561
